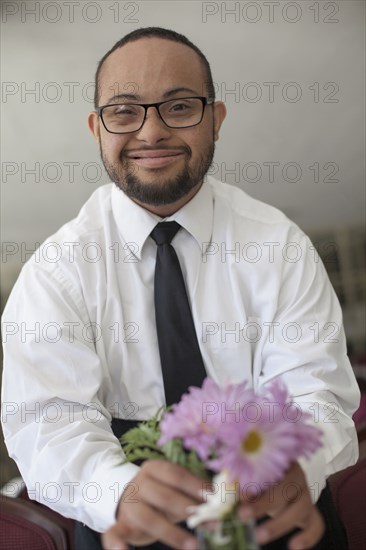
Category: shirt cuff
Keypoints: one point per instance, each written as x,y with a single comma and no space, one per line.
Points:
104,493
314,469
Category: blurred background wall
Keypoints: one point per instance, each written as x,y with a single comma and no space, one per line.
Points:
293,78
291,73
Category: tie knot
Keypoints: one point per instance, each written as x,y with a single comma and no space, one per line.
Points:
164,232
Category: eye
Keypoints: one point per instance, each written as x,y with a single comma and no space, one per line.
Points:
181,106
125,110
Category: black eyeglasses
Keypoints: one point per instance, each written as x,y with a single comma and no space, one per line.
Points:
124,118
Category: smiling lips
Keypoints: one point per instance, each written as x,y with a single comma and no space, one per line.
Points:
152,159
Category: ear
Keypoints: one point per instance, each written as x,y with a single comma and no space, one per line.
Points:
94,124
219,116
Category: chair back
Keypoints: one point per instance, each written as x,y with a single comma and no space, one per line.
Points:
349,495
26,525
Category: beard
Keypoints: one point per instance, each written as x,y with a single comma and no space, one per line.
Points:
159,190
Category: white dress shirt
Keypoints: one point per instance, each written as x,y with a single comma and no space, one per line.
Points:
81,344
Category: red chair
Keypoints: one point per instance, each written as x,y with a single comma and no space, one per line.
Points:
67,523
28,526
349,494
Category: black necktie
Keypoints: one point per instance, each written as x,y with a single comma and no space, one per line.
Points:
180,356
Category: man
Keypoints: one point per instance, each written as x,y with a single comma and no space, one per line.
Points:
96,357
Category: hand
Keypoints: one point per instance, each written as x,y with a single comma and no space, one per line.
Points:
164,491
289,505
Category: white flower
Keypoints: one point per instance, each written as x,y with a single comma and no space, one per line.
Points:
217,504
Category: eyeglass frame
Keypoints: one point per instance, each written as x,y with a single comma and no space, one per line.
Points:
205,101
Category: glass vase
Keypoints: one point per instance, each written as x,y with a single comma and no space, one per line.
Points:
230,534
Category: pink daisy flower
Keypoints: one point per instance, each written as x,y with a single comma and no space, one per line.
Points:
308,437
198,416
261,451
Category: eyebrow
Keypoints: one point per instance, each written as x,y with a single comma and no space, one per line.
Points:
166,95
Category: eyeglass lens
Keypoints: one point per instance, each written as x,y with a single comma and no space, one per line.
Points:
177,113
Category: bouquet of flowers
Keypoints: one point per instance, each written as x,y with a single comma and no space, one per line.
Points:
235,439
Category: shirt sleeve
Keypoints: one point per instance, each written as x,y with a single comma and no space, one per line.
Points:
305,346
55,424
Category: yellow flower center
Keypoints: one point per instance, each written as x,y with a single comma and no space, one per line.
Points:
205,428
252,442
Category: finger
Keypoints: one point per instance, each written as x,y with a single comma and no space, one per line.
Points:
295,515
311,534
114,538
146,522
177,477
276,498
124,532
172,503
273,502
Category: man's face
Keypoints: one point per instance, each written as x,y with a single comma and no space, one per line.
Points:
148,71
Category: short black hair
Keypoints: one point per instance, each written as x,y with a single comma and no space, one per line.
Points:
158,32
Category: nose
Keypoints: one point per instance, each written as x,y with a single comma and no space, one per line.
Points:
153,129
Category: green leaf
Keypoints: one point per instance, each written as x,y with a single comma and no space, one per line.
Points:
143,454
175,452
194,464
140,443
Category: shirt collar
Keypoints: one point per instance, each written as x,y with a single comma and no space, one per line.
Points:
136,223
